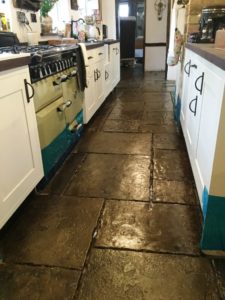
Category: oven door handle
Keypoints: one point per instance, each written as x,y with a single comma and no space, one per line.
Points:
73,74
64,106
29,97
59,80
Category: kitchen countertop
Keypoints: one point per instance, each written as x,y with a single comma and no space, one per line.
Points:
110,41
209,52
10,61
93,45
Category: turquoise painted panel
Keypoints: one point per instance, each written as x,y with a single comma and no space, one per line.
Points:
53,152
177,109
205,199
213,237
80,118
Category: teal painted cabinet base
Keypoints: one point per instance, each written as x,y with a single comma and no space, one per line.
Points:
176,106
213,236
55,153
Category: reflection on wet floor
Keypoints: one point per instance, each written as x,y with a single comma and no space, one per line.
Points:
121,218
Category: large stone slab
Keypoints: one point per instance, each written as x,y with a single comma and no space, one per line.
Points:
62,178
52,231
168,141
118,143
113,177
127,275
172,165
161,227
121,126
174,192
29,282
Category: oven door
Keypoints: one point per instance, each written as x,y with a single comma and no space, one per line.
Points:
46,91
72,96
51,122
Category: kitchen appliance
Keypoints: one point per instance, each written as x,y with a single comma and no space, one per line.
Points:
57,99
212,19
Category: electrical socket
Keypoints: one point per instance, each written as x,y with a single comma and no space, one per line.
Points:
21,17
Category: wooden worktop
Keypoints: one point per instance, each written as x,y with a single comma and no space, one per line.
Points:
10,61
210,53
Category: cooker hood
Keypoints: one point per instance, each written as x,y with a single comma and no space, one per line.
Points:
33,5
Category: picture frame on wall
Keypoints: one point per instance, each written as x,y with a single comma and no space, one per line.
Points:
74,5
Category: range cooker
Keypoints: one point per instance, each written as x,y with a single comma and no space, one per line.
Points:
57,93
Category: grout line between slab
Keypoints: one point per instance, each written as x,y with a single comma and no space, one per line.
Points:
147,251
94,234
29,264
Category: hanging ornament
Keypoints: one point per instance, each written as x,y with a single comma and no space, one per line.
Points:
160,6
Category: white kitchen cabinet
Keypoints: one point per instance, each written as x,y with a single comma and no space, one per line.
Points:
20,156
203,125
103,74
202,96
210,134
108,79
94,93
115,63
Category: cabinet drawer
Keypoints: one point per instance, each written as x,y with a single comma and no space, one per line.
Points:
95,55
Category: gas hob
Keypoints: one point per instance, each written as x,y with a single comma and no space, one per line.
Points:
46,60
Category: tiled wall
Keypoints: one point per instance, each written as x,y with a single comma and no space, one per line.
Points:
194,10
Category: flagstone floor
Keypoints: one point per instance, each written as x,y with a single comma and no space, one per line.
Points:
120,219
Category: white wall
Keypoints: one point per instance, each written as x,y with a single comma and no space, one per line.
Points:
109,17
178,20
22,30
156,30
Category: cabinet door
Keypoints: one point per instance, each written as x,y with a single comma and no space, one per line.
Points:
115,63
90,98
100,72
194,106
185,89
20,156
209,127
108,78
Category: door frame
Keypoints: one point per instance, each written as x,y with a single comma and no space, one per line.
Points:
117,23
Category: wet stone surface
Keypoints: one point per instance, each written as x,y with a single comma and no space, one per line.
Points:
155,98
220,272
138,195
122,111
52,231
143,276
158,129
63,176
118,143
112,176
172,165
29,282
133,225
159,106
174,192
121,126
168,141
158,118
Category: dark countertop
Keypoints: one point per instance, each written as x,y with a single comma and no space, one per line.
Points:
210,53
93,45
110,42
11,61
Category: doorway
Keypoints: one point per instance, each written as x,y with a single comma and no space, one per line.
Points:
130,26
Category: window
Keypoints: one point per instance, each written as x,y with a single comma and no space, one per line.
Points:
60,15
124,10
